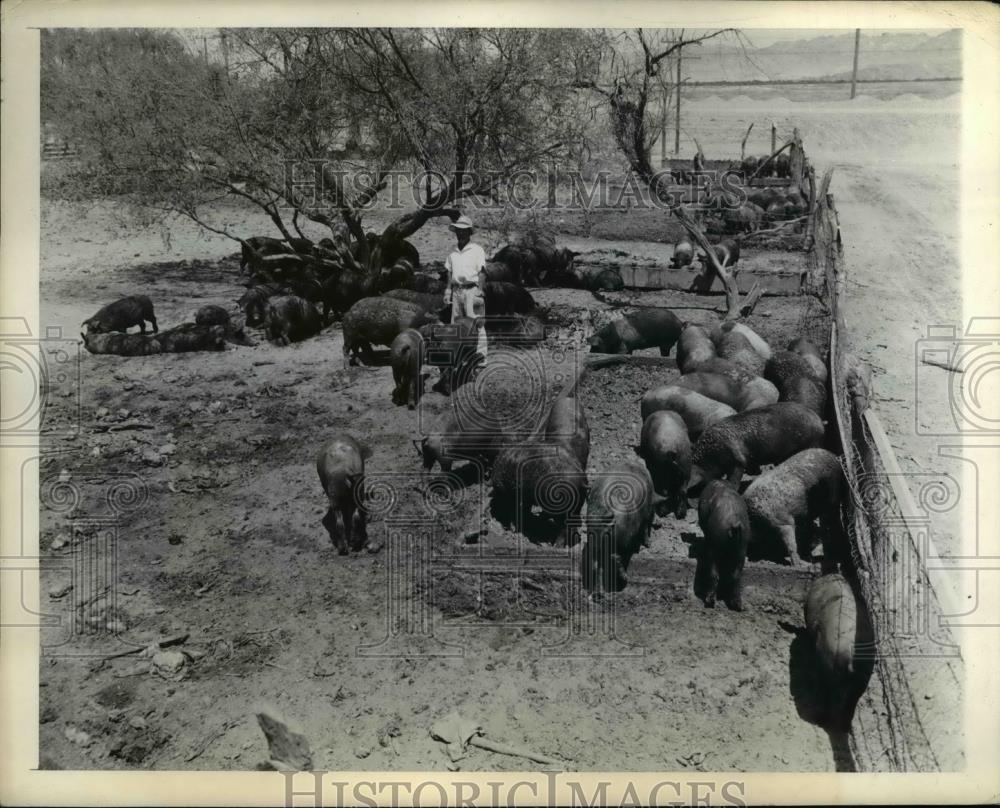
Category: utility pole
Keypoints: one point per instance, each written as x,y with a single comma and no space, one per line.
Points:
854,74
224,45
677,114
663,127
677,111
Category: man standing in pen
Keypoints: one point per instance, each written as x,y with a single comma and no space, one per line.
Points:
467,280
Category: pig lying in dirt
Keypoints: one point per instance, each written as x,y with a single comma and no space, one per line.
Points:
619,520
118,343
808,484
341,467
698,412
666,448
291,319
122,315
749,440
648,328
722,516
180,339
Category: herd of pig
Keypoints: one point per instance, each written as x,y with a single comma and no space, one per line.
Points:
737,408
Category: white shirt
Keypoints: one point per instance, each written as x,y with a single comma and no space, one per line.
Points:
464,265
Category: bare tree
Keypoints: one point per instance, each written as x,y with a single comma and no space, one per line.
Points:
468,108
622,69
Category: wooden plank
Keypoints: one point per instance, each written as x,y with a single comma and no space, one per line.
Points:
686,280
909,512
596,361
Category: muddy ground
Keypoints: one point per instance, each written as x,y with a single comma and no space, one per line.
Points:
223,542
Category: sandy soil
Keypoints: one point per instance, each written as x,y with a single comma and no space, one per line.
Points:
227,546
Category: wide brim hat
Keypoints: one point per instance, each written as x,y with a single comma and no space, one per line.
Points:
462,223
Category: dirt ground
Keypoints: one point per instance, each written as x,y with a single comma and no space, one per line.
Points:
363,654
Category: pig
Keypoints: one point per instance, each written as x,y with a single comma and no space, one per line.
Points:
808,391
698,412
291,319
453,438
712,385
808,351
782,165
665,447
726,251
758,343
694,346
515,332
499,272
596,279
406,355
552,262
341,468
723,518
835,622
647,328
430,283
756,393
502,299
259,246
433,303
748,440
378,321
253,302
745,218
567,426
783,366
396,276
722,367
120,344
394,250
807,484
212,315
452,348
343,289
193,337
619,520
538,488
123,314
521,262
300,245
683,255
793,375
735,347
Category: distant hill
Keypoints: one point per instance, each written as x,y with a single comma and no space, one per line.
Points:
882,56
